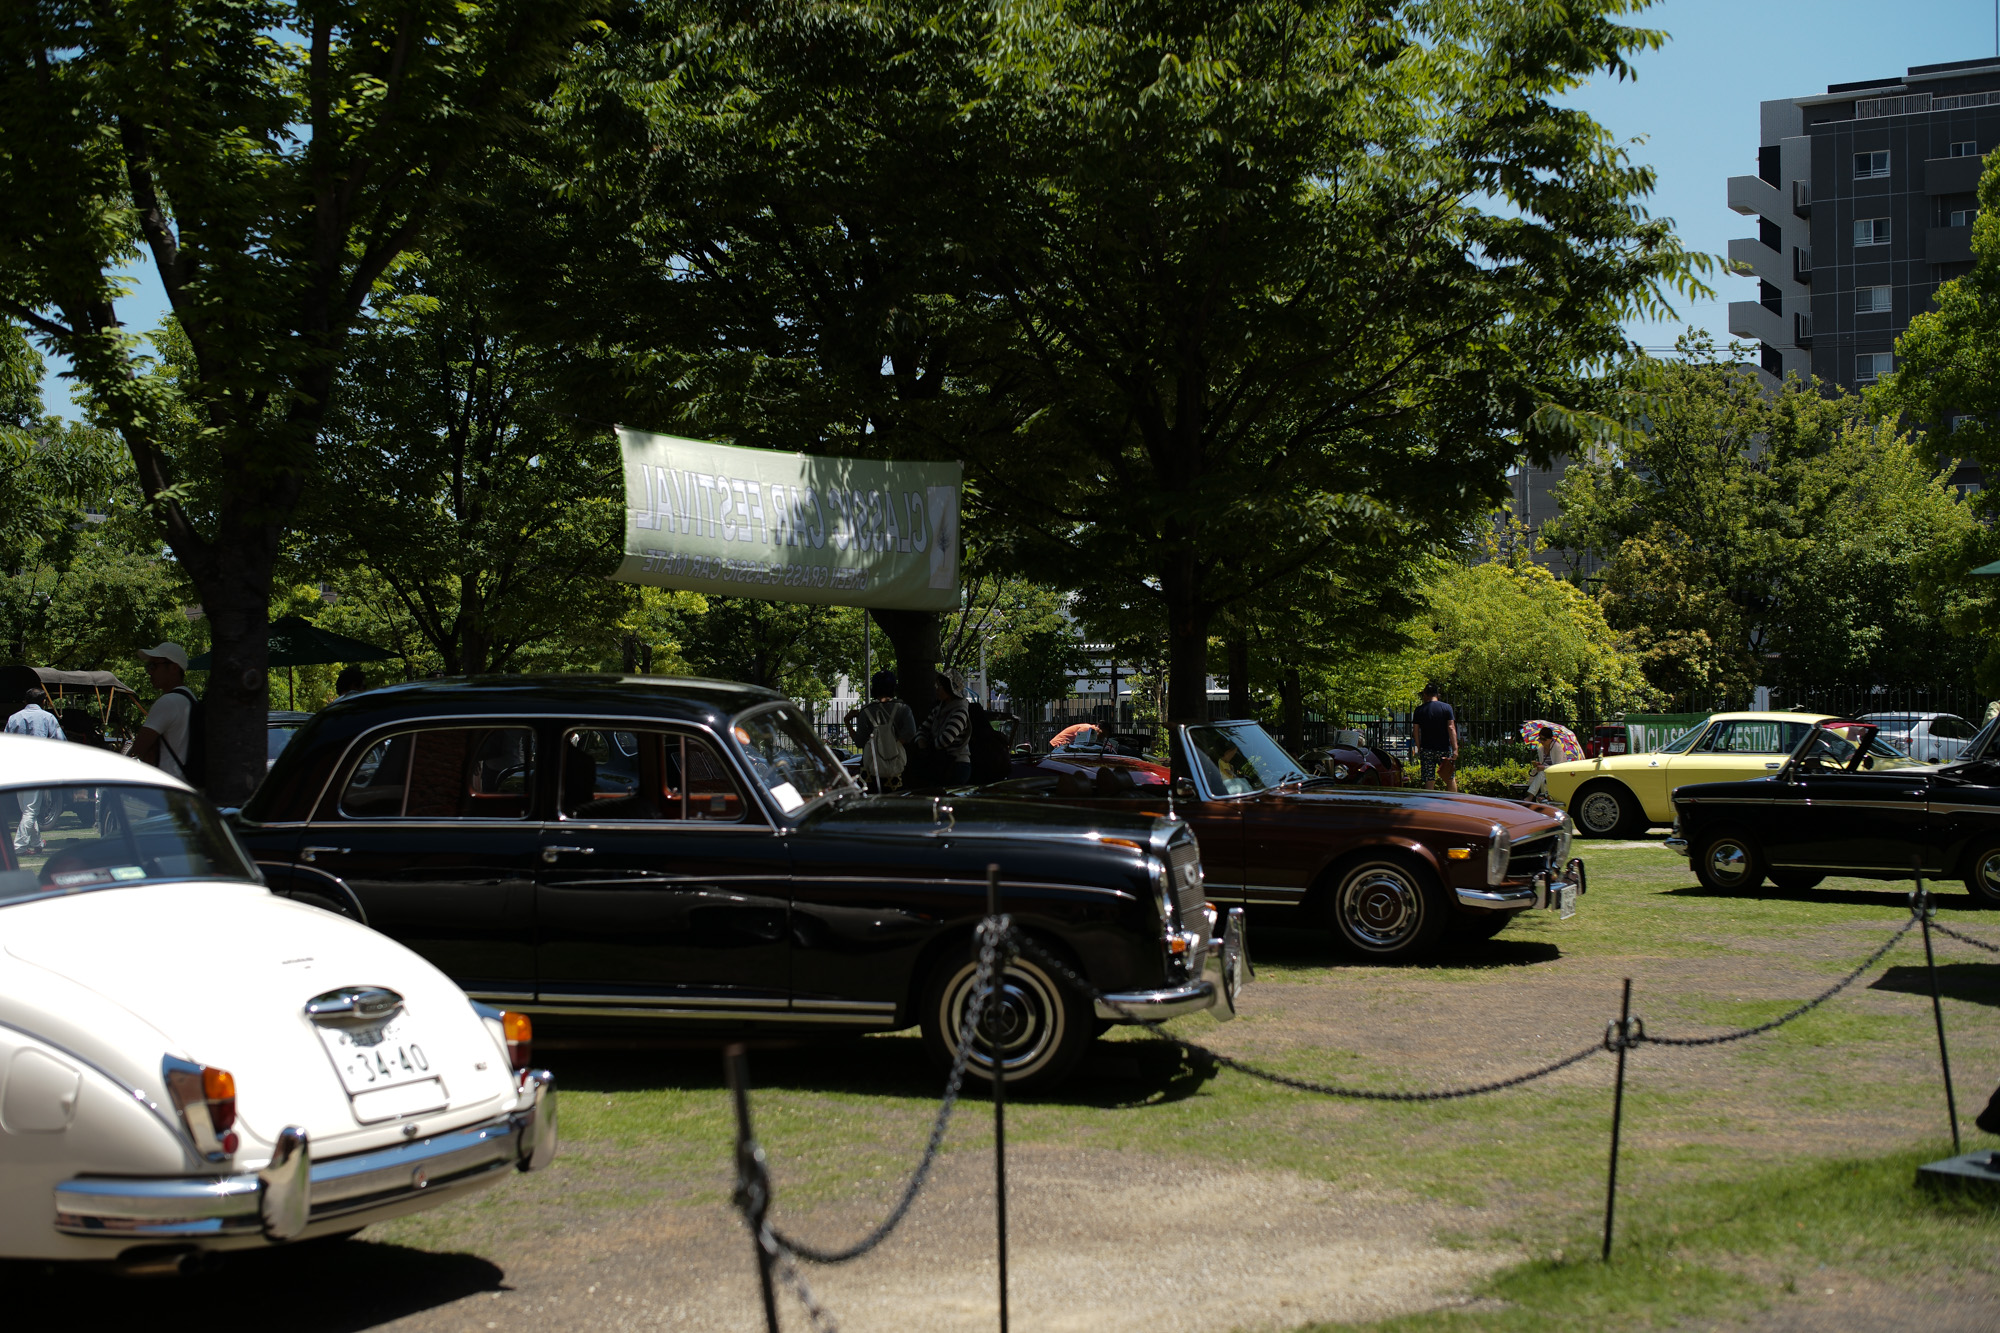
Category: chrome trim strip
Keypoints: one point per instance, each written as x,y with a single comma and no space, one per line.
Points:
501,994
854,1006
713,1015
717,1002
1495,899
807,880
1154,1006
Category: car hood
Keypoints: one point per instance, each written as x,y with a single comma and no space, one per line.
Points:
1432,808
222,972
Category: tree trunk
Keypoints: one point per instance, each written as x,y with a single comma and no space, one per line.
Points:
233,575
474,646
1187,642
1292,693
1239,675
913,638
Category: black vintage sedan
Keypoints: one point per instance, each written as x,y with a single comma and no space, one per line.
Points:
1847,803
609,852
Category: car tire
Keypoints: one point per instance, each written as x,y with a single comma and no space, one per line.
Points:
1048,1025
1728,862
1386,909
1982,875
1797,881
1606,810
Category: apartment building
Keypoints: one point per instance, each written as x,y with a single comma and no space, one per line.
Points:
1864,199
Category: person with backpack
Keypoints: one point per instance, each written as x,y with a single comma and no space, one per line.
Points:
885,730
171,738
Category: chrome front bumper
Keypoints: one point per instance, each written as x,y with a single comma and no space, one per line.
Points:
1545,890
294,1192
1677,844
1225,969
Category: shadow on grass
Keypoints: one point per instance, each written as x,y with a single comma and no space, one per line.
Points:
1303,946
1113,1074
315,1287
1897,898
1978,983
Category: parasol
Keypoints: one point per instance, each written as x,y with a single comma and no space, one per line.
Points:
296,641
1566,742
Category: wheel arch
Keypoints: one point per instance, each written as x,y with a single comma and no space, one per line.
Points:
956,941
1609,782
1399,848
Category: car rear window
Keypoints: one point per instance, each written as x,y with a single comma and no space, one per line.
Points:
443,773
114,836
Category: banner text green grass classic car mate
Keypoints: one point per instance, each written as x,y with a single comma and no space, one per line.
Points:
714,518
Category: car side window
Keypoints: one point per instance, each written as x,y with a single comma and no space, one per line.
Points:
1950,729
444,773
1749,736
623,775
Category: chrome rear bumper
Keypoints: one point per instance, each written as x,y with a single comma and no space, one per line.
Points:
294,1192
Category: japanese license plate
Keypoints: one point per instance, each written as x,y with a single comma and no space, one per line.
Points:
384,1055
1566,901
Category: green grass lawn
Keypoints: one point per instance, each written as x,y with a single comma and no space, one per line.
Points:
1748,1171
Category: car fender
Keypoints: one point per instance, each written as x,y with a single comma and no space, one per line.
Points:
1334,867
290,880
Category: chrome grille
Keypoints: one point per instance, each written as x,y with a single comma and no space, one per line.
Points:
1185,882
1533,857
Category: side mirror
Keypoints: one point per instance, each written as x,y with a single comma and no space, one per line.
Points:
1184,790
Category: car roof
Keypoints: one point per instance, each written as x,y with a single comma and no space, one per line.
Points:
1770,717
664,696
30,761
1916,713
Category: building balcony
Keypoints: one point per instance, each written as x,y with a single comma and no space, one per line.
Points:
1952,175
1750,319
1802,330
1802,199
1748,255
1948,245
1753,196
1802,265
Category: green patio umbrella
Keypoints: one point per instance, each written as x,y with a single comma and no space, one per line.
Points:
296,641
1993,568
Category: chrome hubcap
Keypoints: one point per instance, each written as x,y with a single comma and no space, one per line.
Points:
1026,1018
1380,907
1728,862
1599,812
1989,873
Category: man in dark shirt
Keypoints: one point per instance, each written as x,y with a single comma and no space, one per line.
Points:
1437,740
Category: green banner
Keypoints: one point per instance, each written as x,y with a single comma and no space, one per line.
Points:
714,518
1648,732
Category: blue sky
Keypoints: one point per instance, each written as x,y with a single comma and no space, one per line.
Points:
1694,104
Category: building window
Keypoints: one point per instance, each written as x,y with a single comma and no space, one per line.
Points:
1872,366
1869,166
1965,148
1871,231
1961,217
1871,300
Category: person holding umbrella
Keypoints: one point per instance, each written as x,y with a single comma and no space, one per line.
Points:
1554,744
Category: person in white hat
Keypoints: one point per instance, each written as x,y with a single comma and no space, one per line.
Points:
163,737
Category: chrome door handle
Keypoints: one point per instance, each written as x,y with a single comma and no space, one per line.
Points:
311,854
549,854
1780,764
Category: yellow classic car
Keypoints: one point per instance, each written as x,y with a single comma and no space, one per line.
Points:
1622,795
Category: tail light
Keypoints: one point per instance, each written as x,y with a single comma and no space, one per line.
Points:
206,1098
520,1032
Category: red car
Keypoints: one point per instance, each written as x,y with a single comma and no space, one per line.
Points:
1606,738
1352,760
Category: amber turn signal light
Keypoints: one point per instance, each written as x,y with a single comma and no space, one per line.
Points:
520,1030
1459,853
218,1089
206,1099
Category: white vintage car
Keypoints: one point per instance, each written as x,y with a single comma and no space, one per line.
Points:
190,1063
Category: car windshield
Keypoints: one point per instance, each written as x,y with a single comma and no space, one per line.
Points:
112,837
1981,746
1832,746
1892,721
1241,757
791,762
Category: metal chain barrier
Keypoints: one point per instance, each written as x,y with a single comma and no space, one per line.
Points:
1152,1028
1806,1008
1943,929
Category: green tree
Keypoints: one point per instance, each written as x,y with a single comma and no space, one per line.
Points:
271,160
488,515
795,647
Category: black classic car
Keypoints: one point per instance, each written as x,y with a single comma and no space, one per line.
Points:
1846,803
618,851
1391,872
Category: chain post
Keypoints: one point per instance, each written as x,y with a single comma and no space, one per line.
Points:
1622,1043
752,1193
1922,899
993,1038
